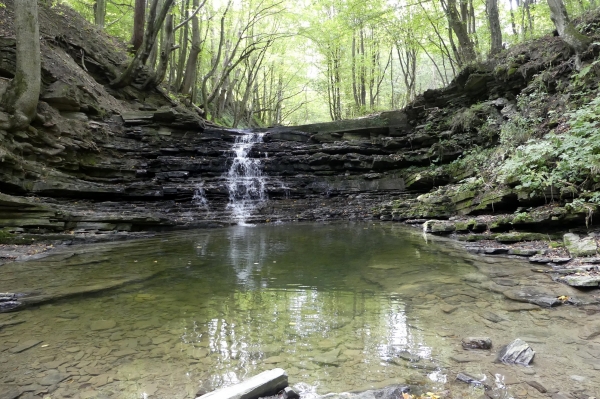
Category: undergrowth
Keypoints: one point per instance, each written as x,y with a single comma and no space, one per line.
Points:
566,160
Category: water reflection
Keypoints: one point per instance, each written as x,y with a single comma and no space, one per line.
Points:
340,307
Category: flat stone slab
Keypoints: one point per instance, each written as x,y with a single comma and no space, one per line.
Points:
580,246
581,280
100,325
590,331
266,383
25,345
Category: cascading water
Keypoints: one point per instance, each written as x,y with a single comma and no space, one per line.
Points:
245,180
199,197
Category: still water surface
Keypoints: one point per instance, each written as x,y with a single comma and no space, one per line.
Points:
340,307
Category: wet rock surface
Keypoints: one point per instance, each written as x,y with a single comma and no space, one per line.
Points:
517,352
476,343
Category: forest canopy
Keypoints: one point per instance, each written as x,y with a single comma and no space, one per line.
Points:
270,62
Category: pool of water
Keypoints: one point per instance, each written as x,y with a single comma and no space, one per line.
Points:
341,307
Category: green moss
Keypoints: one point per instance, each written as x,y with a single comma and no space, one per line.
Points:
522,217
500,224
476,237
520,236
468,225
511,71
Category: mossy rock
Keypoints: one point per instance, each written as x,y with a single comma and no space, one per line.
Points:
469,225
500,224
511,71
438,227
521,236
476,237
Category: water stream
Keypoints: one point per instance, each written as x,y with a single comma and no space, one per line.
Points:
245,179
341,307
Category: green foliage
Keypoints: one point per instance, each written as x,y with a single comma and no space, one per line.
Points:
516,131
564,162
582,78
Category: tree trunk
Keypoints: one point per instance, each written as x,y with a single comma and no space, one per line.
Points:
99,13
495,29
141,56
166,48
190,70
22,94
183,43
566,30
139,20
466,49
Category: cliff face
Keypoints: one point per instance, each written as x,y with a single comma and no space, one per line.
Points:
96,159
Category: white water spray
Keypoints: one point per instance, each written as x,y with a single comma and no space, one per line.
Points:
245,180
199,199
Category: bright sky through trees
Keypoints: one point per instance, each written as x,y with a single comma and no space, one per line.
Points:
267,62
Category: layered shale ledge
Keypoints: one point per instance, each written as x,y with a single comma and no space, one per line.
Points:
116,161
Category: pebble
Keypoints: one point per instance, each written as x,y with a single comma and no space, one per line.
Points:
448,308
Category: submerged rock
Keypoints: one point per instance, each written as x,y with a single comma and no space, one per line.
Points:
517,352
468,379
391,392
590,331
532,295
477,343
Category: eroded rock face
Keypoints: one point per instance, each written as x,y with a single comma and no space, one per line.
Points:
517,352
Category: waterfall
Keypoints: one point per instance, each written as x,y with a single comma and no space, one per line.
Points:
245,180
199,199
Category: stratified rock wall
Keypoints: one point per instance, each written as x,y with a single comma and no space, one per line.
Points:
103,160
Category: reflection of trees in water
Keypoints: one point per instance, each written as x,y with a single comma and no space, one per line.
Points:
294,324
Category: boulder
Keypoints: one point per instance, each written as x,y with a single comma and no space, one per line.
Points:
267,383
517,352
580,246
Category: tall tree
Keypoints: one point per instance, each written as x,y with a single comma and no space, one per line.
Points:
466,49
495,29
21,96
141,56
100,13
139,21
566,29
